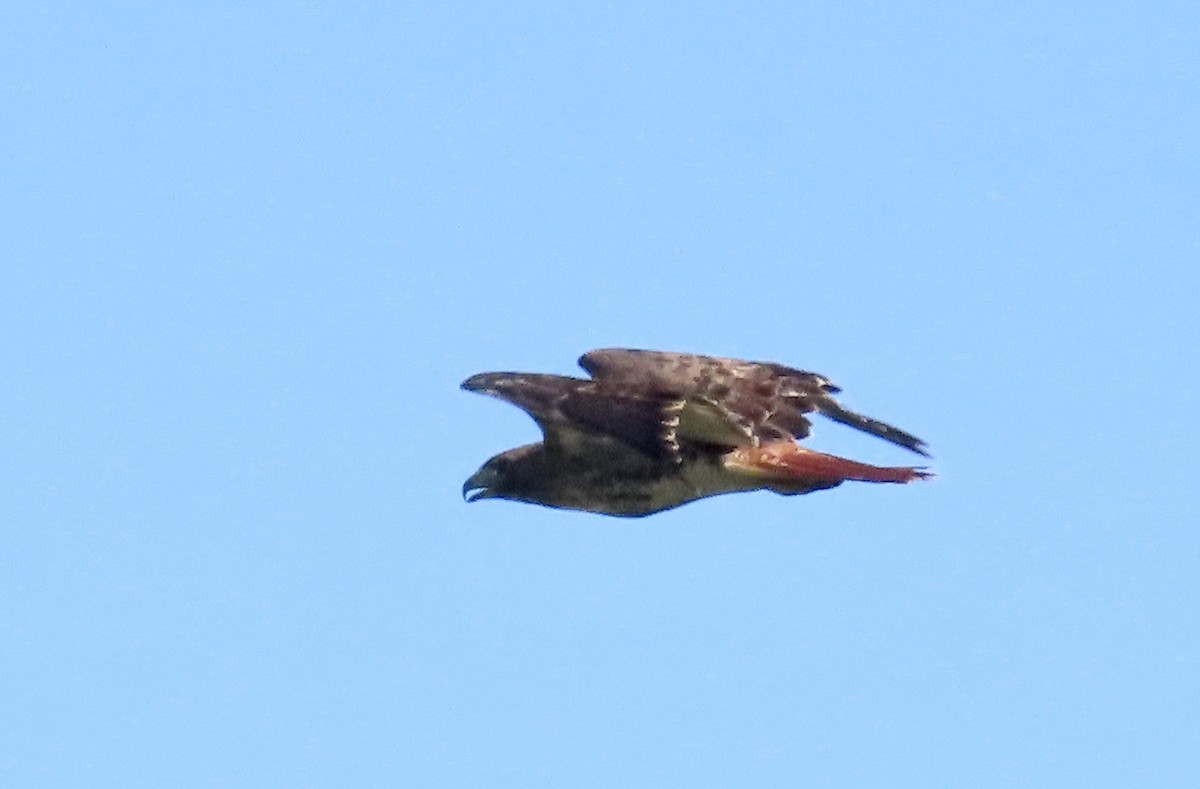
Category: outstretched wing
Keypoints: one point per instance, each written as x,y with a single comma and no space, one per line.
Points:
571,410
732,402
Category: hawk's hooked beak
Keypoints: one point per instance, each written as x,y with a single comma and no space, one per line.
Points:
479,485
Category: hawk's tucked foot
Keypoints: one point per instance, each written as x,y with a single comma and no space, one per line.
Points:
787,461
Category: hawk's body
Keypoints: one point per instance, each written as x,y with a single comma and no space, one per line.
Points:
654,430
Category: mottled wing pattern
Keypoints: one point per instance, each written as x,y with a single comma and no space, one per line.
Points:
728,402
732,402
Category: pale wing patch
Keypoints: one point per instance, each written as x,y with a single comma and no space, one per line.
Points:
671,421
705,422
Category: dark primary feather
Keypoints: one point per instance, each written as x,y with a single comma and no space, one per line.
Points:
834,410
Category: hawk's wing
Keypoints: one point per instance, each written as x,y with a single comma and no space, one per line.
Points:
732,402
575,414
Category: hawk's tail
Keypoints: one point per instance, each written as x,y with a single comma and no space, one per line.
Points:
789,464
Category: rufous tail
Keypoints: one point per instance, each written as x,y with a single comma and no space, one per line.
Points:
787,460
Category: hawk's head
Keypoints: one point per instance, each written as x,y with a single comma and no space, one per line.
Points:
515,474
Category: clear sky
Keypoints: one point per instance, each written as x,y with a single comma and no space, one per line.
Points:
249,251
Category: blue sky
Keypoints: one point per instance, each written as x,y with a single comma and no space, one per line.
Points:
250,250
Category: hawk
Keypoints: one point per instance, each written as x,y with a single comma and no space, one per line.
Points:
653,430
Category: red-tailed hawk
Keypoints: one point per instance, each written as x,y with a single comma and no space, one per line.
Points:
654,430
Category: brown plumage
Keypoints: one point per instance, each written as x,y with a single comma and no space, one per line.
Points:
653,430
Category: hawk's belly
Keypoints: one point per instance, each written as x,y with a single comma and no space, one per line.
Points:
637,495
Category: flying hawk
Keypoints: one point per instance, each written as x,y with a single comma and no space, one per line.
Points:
654,430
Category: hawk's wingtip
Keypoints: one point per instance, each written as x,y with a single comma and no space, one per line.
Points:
589,361
476,382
